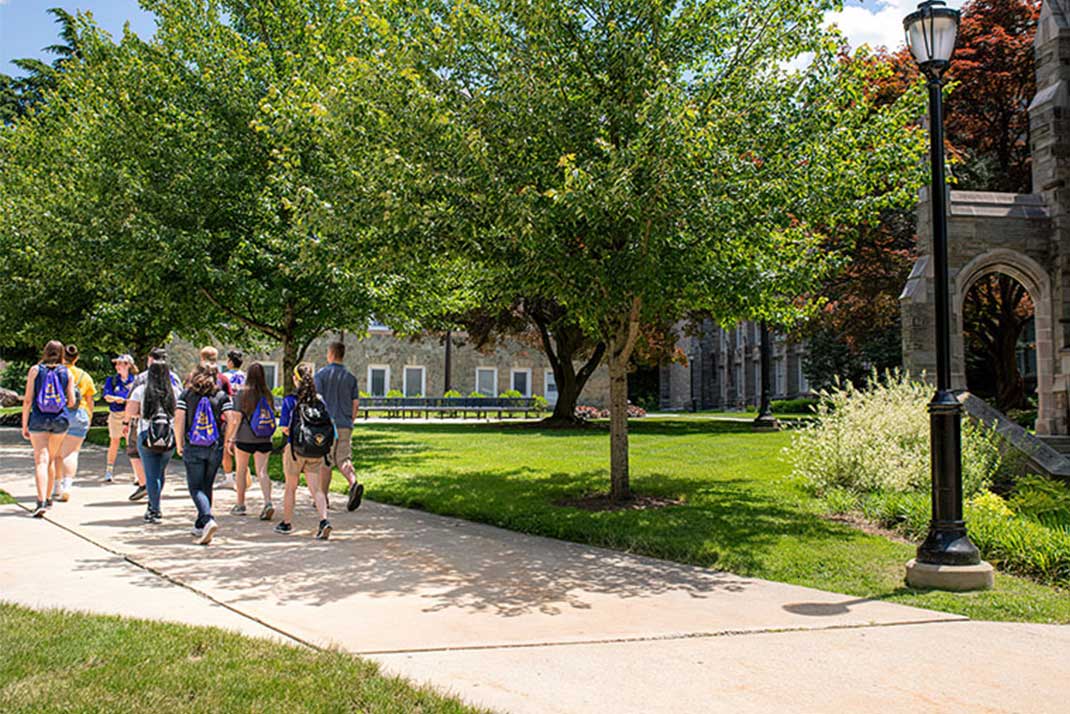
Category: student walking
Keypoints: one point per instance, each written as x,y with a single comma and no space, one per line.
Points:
49,393
236,378
80,417
210,359
200,415
116,389
153,405
158,354
309,438
250,427
339,389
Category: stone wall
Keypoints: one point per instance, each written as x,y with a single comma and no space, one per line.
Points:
722,370
382,349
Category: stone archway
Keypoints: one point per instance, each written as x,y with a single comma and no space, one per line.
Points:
1037,283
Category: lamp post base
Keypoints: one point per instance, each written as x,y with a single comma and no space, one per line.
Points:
766,422
959,578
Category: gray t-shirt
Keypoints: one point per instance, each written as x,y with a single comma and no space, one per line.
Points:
338,387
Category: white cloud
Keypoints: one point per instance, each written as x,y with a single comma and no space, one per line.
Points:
876,22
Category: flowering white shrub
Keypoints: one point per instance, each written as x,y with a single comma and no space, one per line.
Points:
877,440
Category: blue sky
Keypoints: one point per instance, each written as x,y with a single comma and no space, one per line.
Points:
25,28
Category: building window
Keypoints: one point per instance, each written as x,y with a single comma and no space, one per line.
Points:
378,380
271,374
739,336
741,393
487,381
375,326
415,381
550,383
520,379
781,374
804,387
758,383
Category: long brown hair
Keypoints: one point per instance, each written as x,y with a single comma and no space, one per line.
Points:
203,381
53,353
254,390
306,385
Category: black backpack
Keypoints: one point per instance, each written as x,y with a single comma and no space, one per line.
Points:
312,431
160,437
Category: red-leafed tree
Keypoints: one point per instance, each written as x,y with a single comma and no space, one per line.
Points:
992,82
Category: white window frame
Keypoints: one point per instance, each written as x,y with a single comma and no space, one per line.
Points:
405,379
520,370
277,369
548,378
386,382
487,369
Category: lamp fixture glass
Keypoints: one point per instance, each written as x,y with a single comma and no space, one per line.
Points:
931,31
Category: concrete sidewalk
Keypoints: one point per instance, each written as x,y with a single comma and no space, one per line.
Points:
526,624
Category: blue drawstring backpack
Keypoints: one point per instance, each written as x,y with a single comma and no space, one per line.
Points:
263,422
203,430
51,397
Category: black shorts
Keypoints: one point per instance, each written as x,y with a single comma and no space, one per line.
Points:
255,447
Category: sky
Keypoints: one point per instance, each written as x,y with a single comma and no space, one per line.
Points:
25,27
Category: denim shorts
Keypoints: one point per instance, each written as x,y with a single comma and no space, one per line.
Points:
47,423
79,419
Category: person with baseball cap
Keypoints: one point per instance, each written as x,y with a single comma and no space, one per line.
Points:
116,390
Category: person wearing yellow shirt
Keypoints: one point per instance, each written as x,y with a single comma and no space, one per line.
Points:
80,417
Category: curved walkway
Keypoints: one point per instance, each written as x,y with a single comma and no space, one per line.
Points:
515,622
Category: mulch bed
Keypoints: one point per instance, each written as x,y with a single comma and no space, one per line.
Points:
602,502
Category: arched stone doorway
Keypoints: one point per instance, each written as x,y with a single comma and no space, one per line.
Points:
1037,284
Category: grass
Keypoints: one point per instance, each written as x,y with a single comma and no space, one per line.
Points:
57,661
5,497
739,510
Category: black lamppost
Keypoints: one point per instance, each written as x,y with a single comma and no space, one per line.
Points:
765,421
947,559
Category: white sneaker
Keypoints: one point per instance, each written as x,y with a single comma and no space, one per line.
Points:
209,530
197,532
108,478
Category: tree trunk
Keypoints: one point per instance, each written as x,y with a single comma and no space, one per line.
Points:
620,488
560,349
1010,387
289,361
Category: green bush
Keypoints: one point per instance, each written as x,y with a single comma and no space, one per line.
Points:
877,440
477,395
395,394
541,403
363,394
511,394
452,394
1042,499
1016,543
801,405
14,376
279,391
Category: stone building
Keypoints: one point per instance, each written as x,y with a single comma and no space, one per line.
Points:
723,369
1024,236
384,362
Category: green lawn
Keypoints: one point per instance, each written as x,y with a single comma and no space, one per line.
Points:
739,510
63,662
